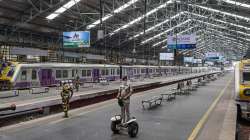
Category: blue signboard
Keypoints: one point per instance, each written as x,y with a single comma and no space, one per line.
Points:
213,56
182,46
76,39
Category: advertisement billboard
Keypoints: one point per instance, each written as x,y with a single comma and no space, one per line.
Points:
76,39
166,56
182,42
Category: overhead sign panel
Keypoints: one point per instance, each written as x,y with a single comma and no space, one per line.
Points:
188,59
182,42
166,56
76,39
212,55
197,61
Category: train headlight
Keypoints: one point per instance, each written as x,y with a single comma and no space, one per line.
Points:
247,92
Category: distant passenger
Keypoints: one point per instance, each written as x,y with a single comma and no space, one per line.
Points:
125,91
77,83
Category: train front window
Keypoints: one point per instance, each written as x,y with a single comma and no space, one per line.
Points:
246,77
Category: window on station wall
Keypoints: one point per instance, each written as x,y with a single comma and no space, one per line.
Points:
65,73
58,74
24,75
84,73
88,73
33,75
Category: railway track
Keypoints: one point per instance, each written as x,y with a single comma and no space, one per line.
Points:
243,130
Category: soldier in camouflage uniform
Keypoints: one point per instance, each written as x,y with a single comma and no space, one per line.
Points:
66,94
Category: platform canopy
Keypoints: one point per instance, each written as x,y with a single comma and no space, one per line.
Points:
130,26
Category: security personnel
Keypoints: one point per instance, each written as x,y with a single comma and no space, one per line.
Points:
66,94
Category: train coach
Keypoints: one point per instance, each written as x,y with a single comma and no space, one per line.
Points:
242,88
19,76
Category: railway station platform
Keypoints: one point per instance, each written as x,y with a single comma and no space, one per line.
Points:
204,114
26,101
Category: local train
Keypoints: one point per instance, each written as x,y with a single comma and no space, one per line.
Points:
18,75
242,88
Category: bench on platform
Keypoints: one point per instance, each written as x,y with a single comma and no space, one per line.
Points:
194,85
213,78
103,81
168,96
38,90
156,100
201,82
9,94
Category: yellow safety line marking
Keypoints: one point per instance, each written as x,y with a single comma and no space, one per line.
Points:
204,118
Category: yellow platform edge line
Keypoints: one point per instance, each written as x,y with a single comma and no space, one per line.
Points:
204,118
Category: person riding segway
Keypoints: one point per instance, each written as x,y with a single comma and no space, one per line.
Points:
124,120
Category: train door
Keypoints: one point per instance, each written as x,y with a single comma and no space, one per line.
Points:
147,72
96,75
129,72
46,77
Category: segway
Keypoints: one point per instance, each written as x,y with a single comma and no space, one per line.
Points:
131,126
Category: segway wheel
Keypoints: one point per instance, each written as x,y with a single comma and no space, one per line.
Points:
114,127
133,128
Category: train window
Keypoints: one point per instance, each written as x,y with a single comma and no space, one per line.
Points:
65,73
134,71
118,71
88,73
103,72
33,76
111,71
73,73
246,76
58,74
24,75
107,72
84,73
